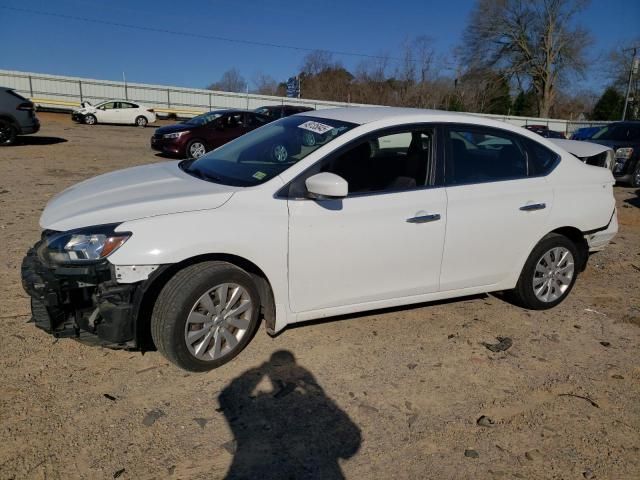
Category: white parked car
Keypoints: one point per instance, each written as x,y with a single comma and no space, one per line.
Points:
114,111
384,207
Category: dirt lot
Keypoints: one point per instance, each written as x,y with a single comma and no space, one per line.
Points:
392,394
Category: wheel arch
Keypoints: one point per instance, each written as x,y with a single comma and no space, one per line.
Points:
577,237
147,295
8,118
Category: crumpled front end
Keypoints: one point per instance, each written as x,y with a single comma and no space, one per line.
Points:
66,300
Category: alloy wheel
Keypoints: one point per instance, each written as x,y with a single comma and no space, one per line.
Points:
553,274
196,150
218,321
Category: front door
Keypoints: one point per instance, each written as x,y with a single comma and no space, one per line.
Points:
384,240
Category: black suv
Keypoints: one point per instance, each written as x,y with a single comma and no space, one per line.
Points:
624,139
17,116
275,112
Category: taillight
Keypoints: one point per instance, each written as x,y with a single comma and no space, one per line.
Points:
26,106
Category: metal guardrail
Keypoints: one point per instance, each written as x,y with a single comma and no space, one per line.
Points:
65,93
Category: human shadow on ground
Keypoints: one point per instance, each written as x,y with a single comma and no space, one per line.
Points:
292,431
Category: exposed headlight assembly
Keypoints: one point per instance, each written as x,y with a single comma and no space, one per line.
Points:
624,153
84,245
175,134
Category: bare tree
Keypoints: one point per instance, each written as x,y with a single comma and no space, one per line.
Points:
265,84
534,39
316,62
231,81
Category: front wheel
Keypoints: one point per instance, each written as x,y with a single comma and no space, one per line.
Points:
141,121
205,315
90,119
196,149
635,177
548,274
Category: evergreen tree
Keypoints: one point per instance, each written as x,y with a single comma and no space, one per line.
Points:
609,106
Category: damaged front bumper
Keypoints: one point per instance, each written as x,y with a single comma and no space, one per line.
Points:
68,299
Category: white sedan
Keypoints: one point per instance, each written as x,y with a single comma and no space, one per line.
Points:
114,111
319,214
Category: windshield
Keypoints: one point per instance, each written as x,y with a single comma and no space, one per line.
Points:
203,119
261,154
620,132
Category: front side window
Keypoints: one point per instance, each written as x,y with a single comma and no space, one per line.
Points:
203,119
476,155
108,106
391,161
264,153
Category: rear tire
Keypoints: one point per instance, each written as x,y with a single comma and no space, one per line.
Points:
548,275
90,119
141,121
8,133
194,324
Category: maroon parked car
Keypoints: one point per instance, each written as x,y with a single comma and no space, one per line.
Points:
198,135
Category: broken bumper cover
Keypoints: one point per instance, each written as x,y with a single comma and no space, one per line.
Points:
598,239
68,299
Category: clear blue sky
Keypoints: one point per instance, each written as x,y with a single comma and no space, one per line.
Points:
72,47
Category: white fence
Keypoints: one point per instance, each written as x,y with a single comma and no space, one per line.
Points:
65,93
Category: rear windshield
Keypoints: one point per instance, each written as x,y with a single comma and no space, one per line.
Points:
264,153
16,94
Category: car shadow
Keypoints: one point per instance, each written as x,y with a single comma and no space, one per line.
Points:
37,140
288,429
400,308
635,201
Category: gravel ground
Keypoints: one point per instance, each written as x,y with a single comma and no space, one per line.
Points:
390,394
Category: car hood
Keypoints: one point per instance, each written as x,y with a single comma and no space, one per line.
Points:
178,127
615,144
130,194
578,148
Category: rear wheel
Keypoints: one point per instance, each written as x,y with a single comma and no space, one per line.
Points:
141,121
196,149
90,119
205,315
8,133
549,273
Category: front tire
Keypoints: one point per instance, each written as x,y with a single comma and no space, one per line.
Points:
8,133
548,274
141,121
90,119
196,149
205,315
635,176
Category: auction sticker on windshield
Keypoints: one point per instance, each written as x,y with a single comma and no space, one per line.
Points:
316,127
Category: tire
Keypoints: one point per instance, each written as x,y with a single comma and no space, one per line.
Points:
222,337
635,176
540,278
90,119
141,121
8,133
196,149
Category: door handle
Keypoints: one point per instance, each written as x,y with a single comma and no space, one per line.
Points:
424,218
533,206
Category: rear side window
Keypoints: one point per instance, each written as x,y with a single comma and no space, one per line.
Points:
541,160
476,155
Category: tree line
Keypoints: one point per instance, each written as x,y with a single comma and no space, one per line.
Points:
516,57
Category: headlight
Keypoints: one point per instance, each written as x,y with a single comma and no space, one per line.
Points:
624,153
84,245
175,134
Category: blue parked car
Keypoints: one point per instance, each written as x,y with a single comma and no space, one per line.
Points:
585,133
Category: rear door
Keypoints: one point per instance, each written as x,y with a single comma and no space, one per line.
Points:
498,204
224,129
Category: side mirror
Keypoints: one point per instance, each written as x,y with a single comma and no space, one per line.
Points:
326,185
